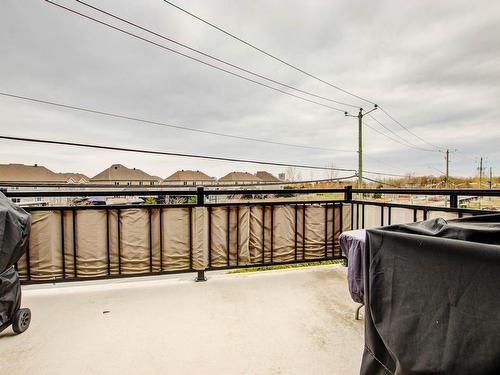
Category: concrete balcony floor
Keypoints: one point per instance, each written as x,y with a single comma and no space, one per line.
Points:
295,321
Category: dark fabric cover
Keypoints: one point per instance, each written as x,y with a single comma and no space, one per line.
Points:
352,244
432,296
10,296
15,225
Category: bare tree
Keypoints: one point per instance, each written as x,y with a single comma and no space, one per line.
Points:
291,174
331,173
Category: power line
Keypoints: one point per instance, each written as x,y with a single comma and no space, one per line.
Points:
268,53
185,155
213,57
383,134
131,118
438,170
295,68
205,63
380,182
409,144
394,139
384,174
191,57
466,156
384,162
167,153
408,130
169,49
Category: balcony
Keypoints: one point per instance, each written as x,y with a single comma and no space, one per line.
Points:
294,321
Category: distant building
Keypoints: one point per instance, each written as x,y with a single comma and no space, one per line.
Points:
75,178
21,173
118,174
189,178
30,174
239,178
282,176
267,177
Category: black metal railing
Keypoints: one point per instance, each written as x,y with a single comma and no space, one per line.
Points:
350,211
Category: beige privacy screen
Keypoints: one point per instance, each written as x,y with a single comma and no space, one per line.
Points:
99,242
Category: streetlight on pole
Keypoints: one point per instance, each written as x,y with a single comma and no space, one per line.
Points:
360,116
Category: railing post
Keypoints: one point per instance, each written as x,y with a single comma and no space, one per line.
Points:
453,201
347,198
200,276
348,193
200,196
200,202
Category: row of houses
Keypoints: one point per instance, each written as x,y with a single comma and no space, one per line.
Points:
118,174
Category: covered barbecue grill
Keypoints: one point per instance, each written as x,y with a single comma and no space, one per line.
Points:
15,225
432,297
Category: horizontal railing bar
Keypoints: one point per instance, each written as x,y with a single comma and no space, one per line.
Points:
191,191
259,203
146,185
107,207
461,192
187,192
271,191
271,203
95,193
182,205
69,185
427,208
105,277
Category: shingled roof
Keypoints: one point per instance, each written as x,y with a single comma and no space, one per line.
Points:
240,177
118,172
188,175
266,176
77,177
28,173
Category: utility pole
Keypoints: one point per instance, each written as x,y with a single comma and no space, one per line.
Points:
447,178
481,173
447,173
491,178
360,148
360,116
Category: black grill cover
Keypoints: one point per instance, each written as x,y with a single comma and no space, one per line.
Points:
432,295
10,296
15,225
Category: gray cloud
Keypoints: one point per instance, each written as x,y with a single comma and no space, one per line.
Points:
434,65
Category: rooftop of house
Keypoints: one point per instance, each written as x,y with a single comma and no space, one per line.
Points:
29,173
75,176
118,172
294,321
267,177
240,177
188,175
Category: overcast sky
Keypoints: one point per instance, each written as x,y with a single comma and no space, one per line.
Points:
434,65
